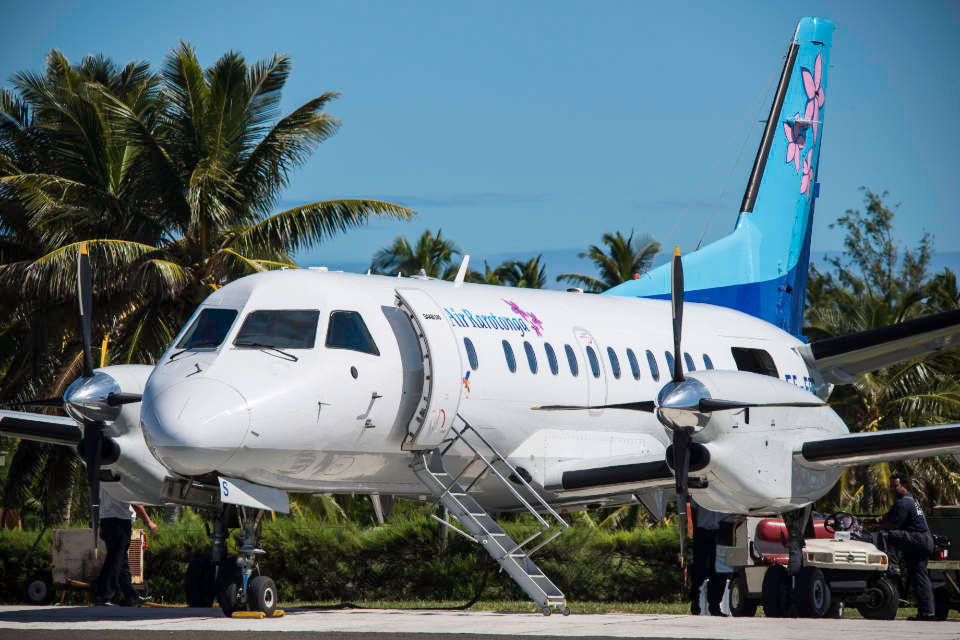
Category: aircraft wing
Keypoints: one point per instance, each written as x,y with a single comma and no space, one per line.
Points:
40,427
840,360
880,446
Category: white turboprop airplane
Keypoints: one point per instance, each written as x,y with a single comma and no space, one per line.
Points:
490,398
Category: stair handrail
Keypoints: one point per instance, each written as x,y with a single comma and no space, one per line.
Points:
506,482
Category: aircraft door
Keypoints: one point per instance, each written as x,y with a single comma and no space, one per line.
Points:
442,370
596,384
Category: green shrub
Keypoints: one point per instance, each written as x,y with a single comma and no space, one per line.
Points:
312,560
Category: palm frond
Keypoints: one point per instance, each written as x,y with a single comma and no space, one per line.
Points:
286,146
311,224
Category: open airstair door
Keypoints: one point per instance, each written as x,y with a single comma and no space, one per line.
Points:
442,371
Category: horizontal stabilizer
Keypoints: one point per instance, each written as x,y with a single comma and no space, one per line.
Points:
840,360
40,427
880,446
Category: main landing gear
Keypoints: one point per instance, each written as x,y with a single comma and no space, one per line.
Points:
232,580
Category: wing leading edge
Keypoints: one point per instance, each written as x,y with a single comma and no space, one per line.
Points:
40,427
840,360
881,446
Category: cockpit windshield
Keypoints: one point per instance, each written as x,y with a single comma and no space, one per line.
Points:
279,329
209,329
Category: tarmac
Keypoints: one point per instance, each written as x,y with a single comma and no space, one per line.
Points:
114,623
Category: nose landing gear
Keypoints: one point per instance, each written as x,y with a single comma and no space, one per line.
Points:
238,589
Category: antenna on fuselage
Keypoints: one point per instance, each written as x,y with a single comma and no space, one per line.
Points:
462,271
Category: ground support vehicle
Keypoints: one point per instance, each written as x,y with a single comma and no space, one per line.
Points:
74,565
836,571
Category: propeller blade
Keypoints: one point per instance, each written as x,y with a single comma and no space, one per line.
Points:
681,470
676,303
116,399
40,402
643,405
85,301
712,404
92,455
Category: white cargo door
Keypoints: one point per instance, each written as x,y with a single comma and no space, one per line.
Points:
442,370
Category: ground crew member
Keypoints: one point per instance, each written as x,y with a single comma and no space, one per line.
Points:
706,525
114,585
908,532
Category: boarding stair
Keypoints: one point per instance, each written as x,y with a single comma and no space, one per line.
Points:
480,527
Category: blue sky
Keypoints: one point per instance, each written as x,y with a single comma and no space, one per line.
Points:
541,125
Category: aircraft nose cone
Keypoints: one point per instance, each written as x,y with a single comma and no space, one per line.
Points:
195,426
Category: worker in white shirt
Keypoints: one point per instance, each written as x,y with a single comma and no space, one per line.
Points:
114,586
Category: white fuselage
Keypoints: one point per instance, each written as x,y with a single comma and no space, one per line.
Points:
335,419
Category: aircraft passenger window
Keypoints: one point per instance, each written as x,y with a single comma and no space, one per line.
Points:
689,361
614,362
572,360
282,329
508,353
347,330
551,358
634,365
755,360
707,362
654,369
471,353
531,356
209,329
669,357
594,363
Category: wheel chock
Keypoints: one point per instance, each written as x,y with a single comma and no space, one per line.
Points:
259,615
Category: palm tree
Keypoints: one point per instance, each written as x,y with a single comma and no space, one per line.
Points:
943,293
530,274
627,258
432,256
175,187
170,179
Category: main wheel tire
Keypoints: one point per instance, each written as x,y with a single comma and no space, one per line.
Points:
38,590
741,606
262,595
813,593
884,600
941,603
200,583
776,592
228,585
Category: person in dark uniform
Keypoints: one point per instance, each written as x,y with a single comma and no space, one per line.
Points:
113,585
704,567
909,533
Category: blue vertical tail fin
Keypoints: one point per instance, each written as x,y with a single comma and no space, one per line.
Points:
761,267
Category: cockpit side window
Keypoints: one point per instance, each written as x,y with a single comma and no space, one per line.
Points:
209,329
279,329
755,360
347,330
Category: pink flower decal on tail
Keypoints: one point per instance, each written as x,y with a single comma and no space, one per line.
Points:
815,94
796,141
807,174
